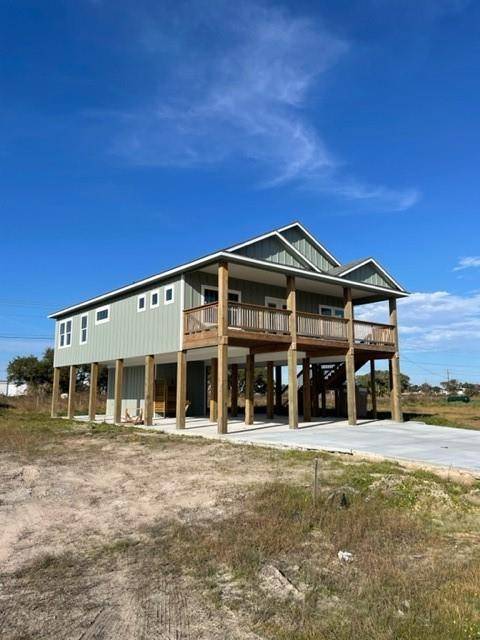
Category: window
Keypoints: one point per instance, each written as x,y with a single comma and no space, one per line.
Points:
331,311
154,299
65,334
102,315
83,328
141,303
275,303
168,295
210,294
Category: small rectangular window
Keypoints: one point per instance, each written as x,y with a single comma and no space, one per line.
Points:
84,328
332,311
154,299
168,295
65,334
102,315
141,303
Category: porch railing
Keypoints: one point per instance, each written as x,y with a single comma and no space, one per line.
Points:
312,325
373,333
200,318
251,317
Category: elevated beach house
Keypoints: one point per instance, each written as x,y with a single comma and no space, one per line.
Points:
174,342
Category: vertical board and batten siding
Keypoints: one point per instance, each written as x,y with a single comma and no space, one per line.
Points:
271,250
253,292
369,274
128,333
133,386
302,243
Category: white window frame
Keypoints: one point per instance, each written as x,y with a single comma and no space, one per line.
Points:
169,287
65,346
152,293
143,297
98,309
333,309
214,288
275,301
80,341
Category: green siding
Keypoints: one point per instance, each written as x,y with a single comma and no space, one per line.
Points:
370,275
302,243
272,250
128,332
133,387
253,292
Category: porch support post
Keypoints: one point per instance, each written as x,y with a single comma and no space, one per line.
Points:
307,396
350,357
292,355
249,391
55,392
270,390
92,396
181,389
222,384
373,389
72,384
315,389
213,389
117,401
149,390
278,389
396,396
234,396
322,390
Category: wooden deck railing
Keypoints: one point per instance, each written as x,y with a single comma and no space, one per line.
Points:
251,317
373,333
313,325
200,318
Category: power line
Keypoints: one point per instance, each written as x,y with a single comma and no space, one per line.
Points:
26,337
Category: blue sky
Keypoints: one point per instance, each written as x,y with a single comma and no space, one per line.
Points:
138,135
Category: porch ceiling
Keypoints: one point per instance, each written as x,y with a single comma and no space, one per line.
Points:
307,283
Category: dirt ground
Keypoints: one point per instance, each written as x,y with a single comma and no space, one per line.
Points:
109,533
67,504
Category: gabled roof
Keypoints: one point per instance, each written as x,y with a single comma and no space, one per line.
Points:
355,265
336,275
276,237
312,239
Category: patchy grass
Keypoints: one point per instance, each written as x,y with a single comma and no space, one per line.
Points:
438,411
405,581
415,542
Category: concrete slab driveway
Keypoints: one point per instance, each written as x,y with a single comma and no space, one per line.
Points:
409,441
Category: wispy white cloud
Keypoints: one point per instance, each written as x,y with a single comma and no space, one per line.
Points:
467,263
244,76
437,321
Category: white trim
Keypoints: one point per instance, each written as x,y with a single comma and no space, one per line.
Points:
299,253
141,296
152,293
215,288
182,307
332,308
168,287
107,319
321,277
232,257
80,341
64,321
140,283
379,267
319,246
272,300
